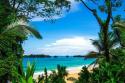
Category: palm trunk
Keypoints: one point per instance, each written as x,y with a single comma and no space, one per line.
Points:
106,49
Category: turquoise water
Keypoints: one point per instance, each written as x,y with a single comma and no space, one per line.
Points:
51,62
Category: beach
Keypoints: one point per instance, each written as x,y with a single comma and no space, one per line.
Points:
72,73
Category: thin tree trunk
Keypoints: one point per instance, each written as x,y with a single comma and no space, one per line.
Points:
106,49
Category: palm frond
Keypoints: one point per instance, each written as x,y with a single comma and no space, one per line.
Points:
112,41
23,28
119,29
119,24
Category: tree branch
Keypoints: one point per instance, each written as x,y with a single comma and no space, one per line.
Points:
18,5
94,2
109,12
14,2
93,12
86,6
112,19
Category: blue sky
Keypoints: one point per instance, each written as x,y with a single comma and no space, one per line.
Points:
70,34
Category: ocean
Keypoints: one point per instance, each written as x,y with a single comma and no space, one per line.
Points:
51,62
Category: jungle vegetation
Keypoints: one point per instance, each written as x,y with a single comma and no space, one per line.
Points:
14,18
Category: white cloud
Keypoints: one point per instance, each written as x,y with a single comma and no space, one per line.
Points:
46,18
69,46
74,5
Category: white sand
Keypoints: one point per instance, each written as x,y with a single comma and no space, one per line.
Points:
71,70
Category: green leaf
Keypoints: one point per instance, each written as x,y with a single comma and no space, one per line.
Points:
30,80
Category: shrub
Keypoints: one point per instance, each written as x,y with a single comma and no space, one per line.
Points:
107,72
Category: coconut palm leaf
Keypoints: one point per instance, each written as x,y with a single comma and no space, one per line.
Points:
98,45
119,29
62,71
112,41
20,27
16,32
120,24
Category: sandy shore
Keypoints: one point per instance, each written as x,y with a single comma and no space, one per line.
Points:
72,72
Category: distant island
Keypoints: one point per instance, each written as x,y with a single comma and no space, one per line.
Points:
91,54
37,55
78,56
43,55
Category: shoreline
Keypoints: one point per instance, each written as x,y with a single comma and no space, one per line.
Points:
70,70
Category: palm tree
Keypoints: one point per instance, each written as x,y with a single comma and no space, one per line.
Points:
59,76
11,39
16,33
99,44
46,76
23,28
61,71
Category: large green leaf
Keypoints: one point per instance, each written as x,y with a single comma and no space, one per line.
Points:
30,80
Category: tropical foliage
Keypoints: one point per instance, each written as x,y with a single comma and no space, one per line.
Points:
119,28
26,76
99,44
59,76
106,7
56,76
14,18
110,44
12,38
112,72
